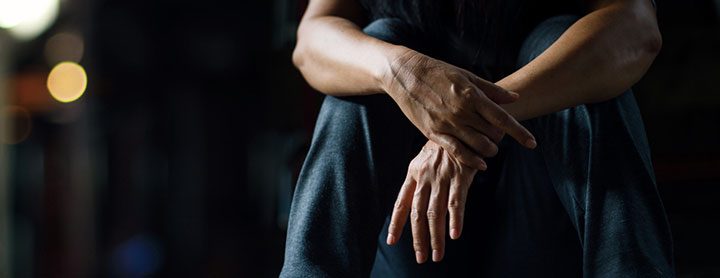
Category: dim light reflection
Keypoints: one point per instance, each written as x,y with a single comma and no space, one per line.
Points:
20,124
67,82
65,46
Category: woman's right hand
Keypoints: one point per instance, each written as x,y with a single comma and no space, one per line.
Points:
453,107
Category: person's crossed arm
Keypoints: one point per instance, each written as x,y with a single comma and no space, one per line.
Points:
449,105
461,114
597,58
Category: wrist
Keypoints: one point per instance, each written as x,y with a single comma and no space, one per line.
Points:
521,109
511,83
394,59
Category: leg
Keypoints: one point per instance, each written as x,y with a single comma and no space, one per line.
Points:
356,164
598,161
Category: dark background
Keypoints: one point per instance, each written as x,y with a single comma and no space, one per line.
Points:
180,159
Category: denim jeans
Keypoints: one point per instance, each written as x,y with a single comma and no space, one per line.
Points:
584,203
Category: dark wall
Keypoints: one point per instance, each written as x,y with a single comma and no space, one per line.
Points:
681,107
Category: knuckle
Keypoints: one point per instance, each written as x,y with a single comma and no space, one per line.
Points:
432,214
415,216
454,149
456,111
415,165
453,86
467,92
399,206
504,119
425,167
436,242
418,245
455,203
418,194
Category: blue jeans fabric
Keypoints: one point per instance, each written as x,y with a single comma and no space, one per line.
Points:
584,203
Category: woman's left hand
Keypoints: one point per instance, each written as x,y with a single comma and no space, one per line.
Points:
436,184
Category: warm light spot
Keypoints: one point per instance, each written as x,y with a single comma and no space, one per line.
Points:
25,19
67,82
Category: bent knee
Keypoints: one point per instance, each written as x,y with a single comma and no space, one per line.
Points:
544,35
393,30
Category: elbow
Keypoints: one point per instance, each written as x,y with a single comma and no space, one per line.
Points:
647,31
652,43
302,60
299,53
633,65
298,57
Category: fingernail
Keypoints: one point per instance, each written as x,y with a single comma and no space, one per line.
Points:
436,256
454,233
514,94
419,257
531,143
390,240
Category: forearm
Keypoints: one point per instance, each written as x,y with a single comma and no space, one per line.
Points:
596,59
337,58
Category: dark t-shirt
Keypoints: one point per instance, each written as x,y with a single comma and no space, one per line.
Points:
483,36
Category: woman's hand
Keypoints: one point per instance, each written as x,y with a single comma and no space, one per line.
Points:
436,184
453,107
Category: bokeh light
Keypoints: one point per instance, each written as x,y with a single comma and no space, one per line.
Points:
140,256
65,46
67,82
25,19
20,124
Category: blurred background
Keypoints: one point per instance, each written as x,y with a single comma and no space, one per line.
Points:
163,138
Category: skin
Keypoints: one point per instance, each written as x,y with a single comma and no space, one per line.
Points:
462,115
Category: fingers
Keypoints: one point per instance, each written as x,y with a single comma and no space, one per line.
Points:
494,92
501,119
401,210
436,215
475,140
419,222
489,109
436,184
488,130
457,149
456,203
